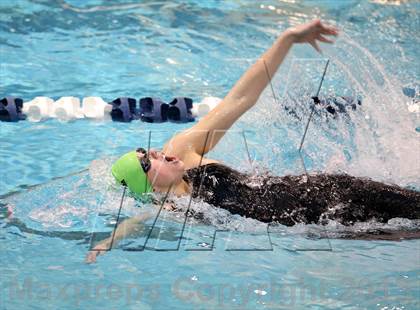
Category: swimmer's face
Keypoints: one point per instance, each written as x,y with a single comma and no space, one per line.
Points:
164,170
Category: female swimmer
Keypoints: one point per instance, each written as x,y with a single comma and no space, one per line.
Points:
181,169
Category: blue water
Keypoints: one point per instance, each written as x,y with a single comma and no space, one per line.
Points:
55,176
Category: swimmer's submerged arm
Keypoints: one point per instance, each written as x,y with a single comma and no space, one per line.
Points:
124,229
249,87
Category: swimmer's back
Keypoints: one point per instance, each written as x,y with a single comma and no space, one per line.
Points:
295,199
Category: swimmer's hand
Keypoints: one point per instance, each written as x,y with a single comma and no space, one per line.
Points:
312,32
99,249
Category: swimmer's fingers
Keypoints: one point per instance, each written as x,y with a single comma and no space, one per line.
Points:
91,257
324,39
314,30
328,30
100,249
315,46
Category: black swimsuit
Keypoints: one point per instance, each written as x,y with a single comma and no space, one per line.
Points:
295,199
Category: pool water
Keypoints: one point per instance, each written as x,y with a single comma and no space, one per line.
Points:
55,175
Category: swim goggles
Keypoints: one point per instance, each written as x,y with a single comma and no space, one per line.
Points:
145,162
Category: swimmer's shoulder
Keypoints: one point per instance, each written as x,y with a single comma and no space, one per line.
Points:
194,160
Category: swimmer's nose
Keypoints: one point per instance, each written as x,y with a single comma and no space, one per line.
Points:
154,154
157,155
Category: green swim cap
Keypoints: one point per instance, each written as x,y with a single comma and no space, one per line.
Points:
127,170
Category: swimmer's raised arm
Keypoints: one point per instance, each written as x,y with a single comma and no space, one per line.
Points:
248,88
